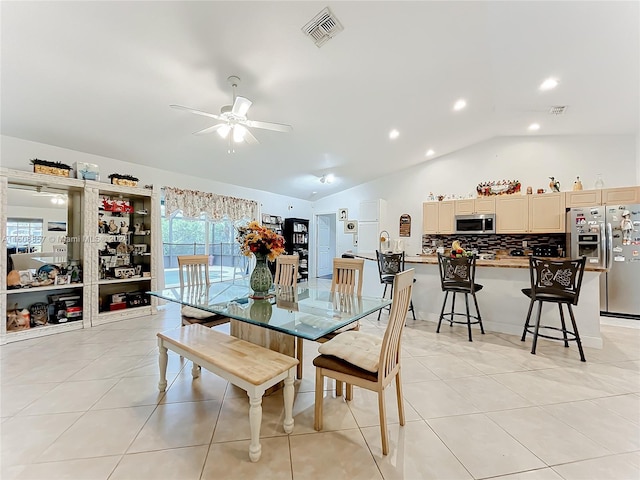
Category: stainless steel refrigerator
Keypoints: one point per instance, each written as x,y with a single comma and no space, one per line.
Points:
609,236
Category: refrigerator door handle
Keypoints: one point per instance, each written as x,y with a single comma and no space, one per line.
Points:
609,246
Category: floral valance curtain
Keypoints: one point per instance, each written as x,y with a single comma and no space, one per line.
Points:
193,203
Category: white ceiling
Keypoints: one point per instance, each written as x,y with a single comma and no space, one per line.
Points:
99,77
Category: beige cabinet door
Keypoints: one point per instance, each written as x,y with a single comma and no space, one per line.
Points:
429,217
485,205
446,217
547,213
512,214
465,207
583,198
614,196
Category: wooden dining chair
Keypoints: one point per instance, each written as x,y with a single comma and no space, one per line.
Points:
286,270
287,276
194,280
366,360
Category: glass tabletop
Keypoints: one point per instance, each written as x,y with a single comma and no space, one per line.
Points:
300,311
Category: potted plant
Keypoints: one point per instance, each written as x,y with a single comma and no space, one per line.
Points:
50,168
121,179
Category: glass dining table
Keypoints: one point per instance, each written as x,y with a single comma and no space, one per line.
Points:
300,311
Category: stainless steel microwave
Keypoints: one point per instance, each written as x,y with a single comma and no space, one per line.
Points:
476,224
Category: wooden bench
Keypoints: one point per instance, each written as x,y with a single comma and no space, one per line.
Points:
249,366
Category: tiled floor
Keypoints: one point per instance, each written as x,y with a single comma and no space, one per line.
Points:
84,405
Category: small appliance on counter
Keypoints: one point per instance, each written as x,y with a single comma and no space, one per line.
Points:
545,251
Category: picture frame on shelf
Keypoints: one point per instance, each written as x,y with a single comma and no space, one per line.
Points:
63,279
343,214
26,278
266,218
351,226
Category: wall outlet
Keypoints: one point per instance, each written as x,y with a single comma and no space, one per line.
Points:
524,244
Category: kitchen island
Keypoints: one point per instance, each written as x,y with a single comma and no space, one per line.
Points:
502,304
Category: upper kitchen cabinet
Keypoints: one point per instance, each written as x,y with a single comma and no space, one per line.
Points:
623,195
438,217
469,206
530,213
583,198
547,213
512,214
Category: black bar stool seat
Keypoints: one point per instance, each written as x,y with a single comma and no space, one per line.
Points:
555,281
457,275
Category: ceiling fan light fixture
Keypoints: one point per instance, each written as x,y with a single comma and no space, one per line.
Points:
238,133
224,130
327,178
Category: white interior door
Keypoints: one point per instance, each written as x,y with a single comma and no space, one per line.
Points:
326,244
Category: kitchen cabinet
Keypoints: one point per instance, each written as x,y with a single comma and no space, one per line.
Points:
470,206
531,213
583,198
438,217
512,214
623,195
547,213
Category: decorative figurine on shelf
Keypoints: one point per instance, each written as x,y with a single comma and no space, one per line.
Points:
124,228
554,185
113,228
102,225
626,225
137,229
577,185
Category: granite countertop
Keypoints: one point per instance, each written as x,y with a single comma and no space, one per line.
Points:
500,261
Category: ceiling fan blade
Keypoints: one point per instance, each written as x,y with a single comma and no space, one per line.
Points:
241,106
197,112
278,127
211,129
249,138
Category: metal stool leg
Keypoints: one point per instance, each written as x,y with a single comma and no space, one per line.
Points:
444,303
453,309
383,295
526,323
475,301
564,327
575,330
466,303
535,333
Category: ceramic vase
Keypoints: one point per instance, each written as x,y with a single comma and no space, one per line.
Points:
261,279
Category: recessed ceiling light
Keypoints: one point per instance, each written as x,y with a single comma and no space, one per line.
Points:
548,84
460,104
393,134
430,153
534,126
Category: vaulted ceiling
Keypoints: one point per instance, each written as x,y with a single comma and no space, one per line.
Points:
99,77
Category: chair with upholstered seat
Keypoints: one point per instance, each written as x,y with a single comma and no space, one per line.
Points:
457,275
556,282
389,264
194,281
366,360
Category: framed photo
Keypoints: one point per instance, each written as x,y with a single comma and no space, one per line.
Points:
25,277
124,272
63,279
351,226
266,218
343,214
56,226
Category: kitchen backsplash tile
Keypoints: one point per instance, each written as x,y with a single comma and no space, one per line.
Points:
493,243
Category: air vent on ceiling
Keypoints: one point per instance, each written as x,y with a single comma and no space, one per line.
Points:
558,110
323,27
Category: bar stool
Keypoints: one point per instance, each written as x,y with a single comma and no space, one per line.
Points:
556,282
389,265
457,275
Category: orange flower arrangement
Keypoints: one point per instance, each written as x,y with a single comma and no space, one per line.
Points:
258,240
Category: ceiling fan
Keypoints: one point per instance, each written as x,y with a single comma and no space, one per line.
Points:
56,198
233,119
